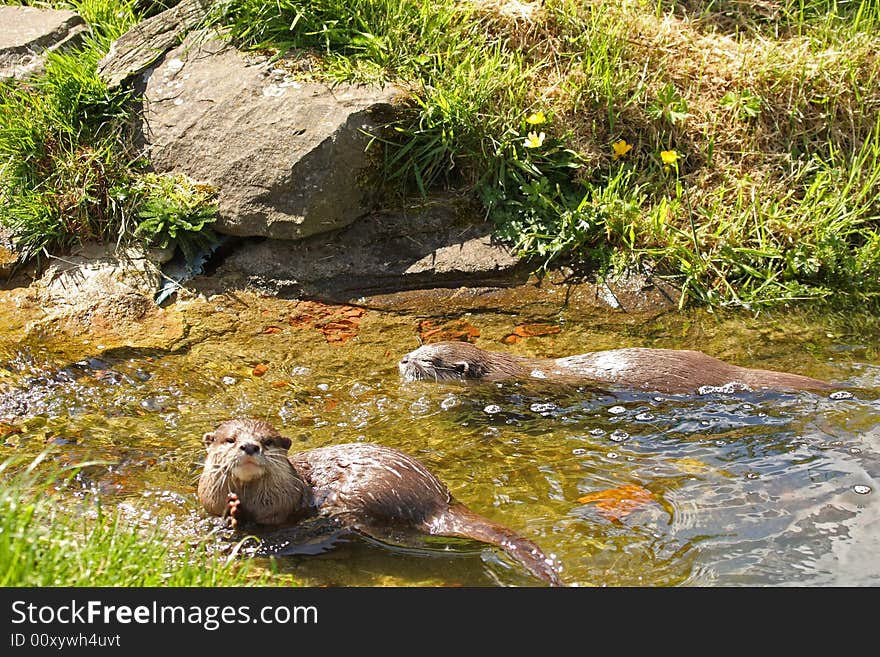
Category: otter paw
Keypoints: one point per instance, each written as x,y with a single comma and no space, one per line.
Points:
233,503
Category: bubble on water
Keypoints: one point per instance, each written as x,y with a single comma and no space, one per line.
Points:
579,451
645,417
358,389
542,408
360,418
619,435
613,455
752,475
152,404
287,413
323,387
841,394
450,402
491,409
300,370
420,406
861,489
855,450
228,380
597,432
617,410
726,389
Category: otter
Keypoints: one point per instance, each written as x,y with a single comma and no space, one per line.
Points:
670,371
364,487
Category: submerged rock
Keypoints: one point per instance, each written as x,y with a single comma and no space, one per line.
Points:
27,33
287,156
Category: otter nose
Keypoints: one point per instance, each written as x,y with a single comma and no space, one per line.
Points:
250,448
404,360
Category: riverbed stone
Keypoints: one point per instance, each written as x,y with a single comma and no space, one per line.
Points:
103,290
288,156
27,33
437,242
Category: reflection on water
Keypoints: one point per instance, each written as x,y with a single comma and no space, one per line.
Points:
723,488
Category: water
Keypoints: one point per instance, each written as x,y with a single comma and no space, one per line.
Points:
625,489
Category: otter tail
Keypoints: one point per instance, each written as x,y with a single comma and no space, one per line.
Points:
461,521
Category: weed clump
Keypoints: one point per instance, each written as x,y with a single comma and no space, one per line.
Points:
71,172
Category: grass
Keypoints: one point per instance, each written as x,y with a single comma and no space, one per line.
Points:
769,107
44,541
69,170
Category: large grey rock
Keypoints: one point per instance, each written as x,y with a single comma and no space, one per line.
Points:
26,33
287,156
147,41
439,243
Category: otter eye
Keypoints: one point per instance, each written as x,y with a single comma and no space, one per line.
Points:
268,442
231,439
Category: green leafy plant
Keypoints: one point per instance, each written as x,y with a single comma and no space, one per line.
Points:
744,104
176,210
669,106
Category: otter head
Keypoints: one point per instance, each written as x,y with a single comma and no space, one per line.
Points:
443,361
249,458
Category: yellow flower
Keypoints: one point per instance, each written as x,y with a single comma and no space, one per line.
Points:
536,119
534,140
621,148
669,157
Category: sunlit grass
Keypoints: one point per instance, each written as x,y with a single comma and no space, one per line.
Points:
49,537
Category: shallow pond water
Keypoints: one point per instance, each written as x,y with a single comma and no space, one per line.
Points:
625,489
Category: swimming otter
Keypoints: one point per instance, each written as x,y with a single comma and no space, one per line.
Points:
658,370
363,486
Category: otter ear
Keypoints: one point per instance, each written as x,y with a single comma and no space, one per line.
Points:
208,438
284,441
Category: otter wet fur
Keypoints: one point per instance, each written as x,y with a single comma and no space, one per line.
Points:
670,371
360,485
